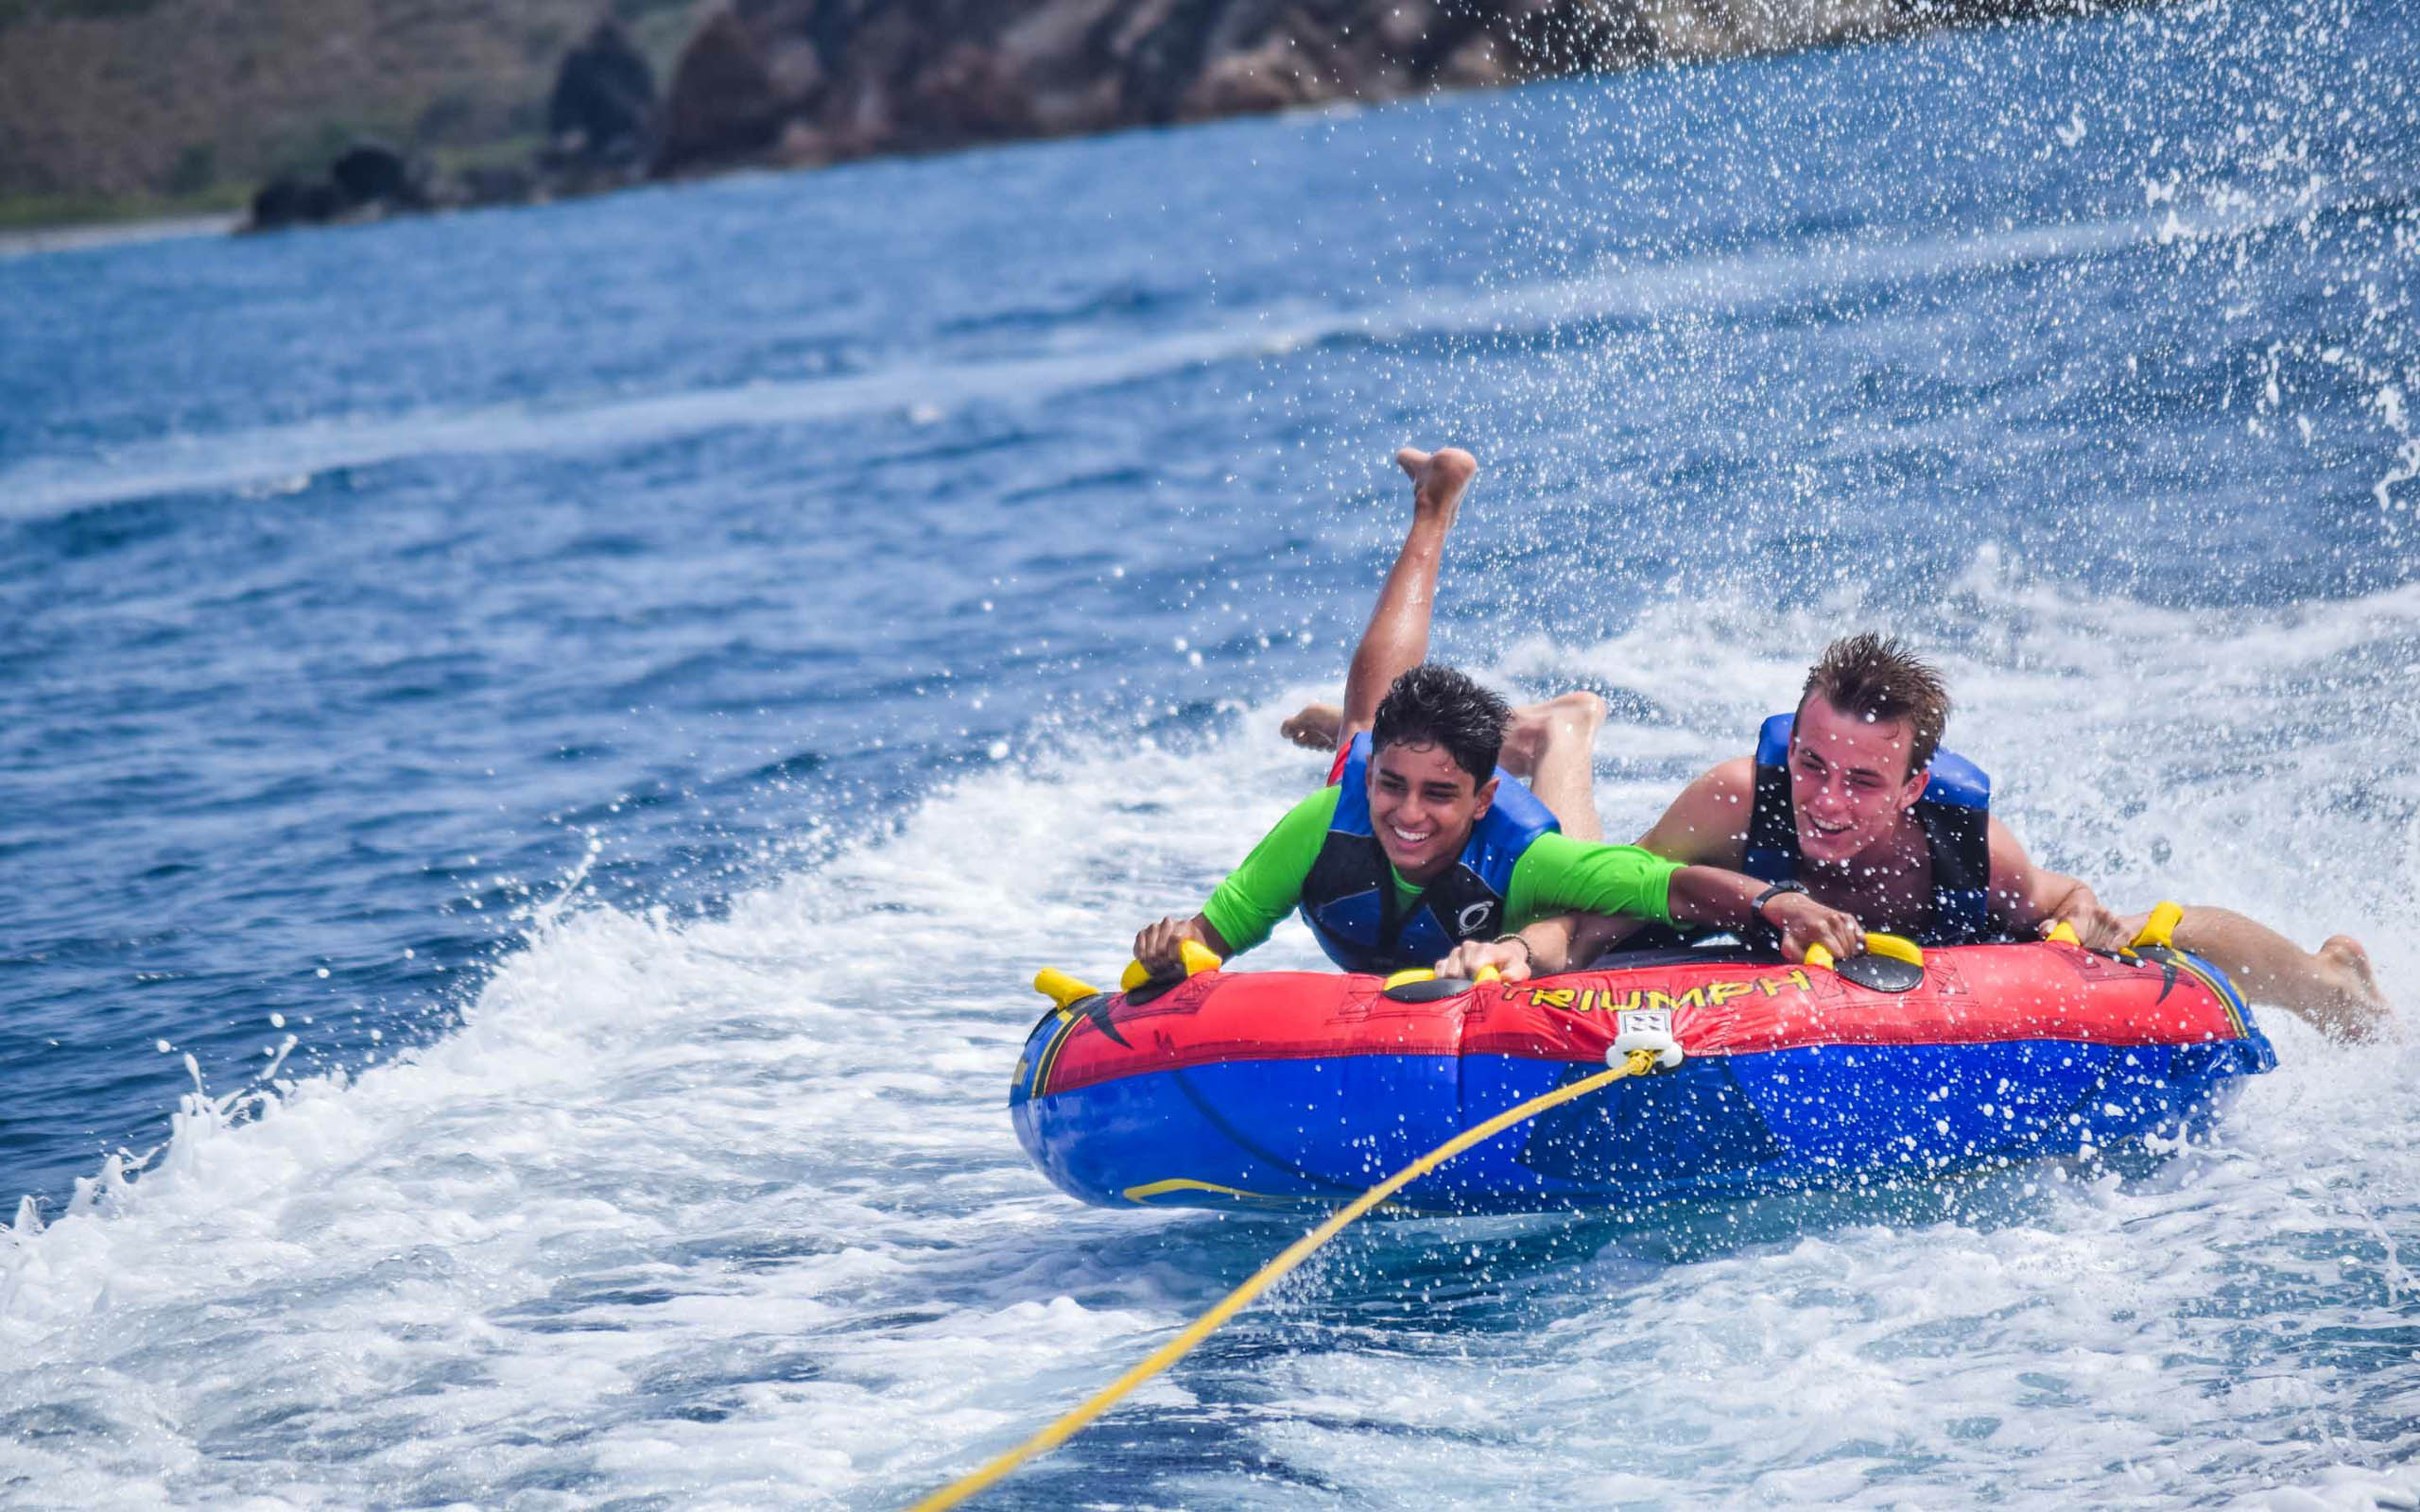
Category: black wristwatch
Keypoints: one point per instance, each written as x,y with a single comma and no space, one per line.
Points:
1761,932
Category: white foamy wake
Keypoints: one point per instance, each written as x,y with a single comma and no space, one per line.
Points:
726,1211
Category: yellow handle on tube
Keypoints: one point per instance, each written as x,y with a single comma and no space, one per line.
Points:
1897,947
1410,974
1059,988
1197,959
2161,927
2064,932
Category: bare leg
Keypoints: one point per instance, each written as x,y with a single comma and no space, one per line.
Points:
1550,745
1553,747
1398,637
2333,987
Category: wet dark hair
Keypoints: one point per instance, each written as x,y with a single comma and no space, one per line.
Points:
1875,677
1433,705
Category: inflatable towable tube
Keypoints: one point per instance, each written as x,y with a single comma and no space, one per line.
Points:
1297,1089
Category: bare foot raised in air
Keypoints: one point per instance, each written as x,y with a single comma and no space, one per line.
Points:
2361,1008
1537,727
1314,726
1438,480
1397,639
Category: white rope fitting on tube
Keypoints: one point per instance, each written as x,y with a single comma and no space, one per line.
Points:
1649,1029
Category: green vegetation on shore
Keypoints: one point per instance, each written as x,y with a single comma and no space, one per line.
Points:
29,212
114,110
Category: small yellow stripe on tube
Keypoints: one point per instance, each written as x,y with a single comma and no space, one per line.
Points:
1182,1183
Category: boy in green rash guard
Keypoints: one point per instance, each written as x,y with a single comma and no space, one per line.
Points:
1421,844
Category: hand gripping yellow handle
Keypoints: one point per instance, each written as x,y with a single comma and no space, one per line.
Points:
2064,932
1897,947
1198,959
2160,928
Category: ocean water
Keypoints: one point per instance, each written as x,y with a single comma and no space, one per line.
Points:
539,749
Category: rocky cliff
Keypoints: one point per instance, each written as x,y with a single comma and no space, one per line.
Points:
126,101
812,81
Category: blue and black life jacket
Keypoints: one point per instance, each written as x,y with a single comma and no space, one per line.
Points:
1954,813
1349,897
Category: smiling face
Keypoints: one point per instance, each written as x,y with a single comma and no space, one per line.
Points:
1422,807
1848,781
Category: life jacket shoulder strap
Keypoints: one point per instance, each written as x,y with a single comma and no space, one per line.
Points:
1957,783
1772,822
1353,788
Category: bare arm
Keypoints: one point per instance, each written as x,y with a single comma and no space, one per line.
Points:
1727,900
1706,826
1396,638
2027,900
1700,895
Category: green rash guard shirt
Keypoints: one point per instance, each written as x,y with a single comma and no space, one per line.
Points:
1556,874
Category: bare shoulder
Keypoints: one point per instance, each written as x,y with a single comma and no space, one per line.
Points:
2012,869
2017,886
1707,825
1732,782
2021,894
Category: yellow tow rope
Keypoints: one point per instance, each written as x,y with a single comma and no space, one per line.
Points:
1639,1064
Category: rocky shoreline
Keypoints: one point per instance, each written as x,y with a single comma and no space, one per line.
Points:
799,83
600,135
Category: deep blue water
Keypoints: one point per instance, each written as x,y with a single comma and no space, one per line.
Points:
892,575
